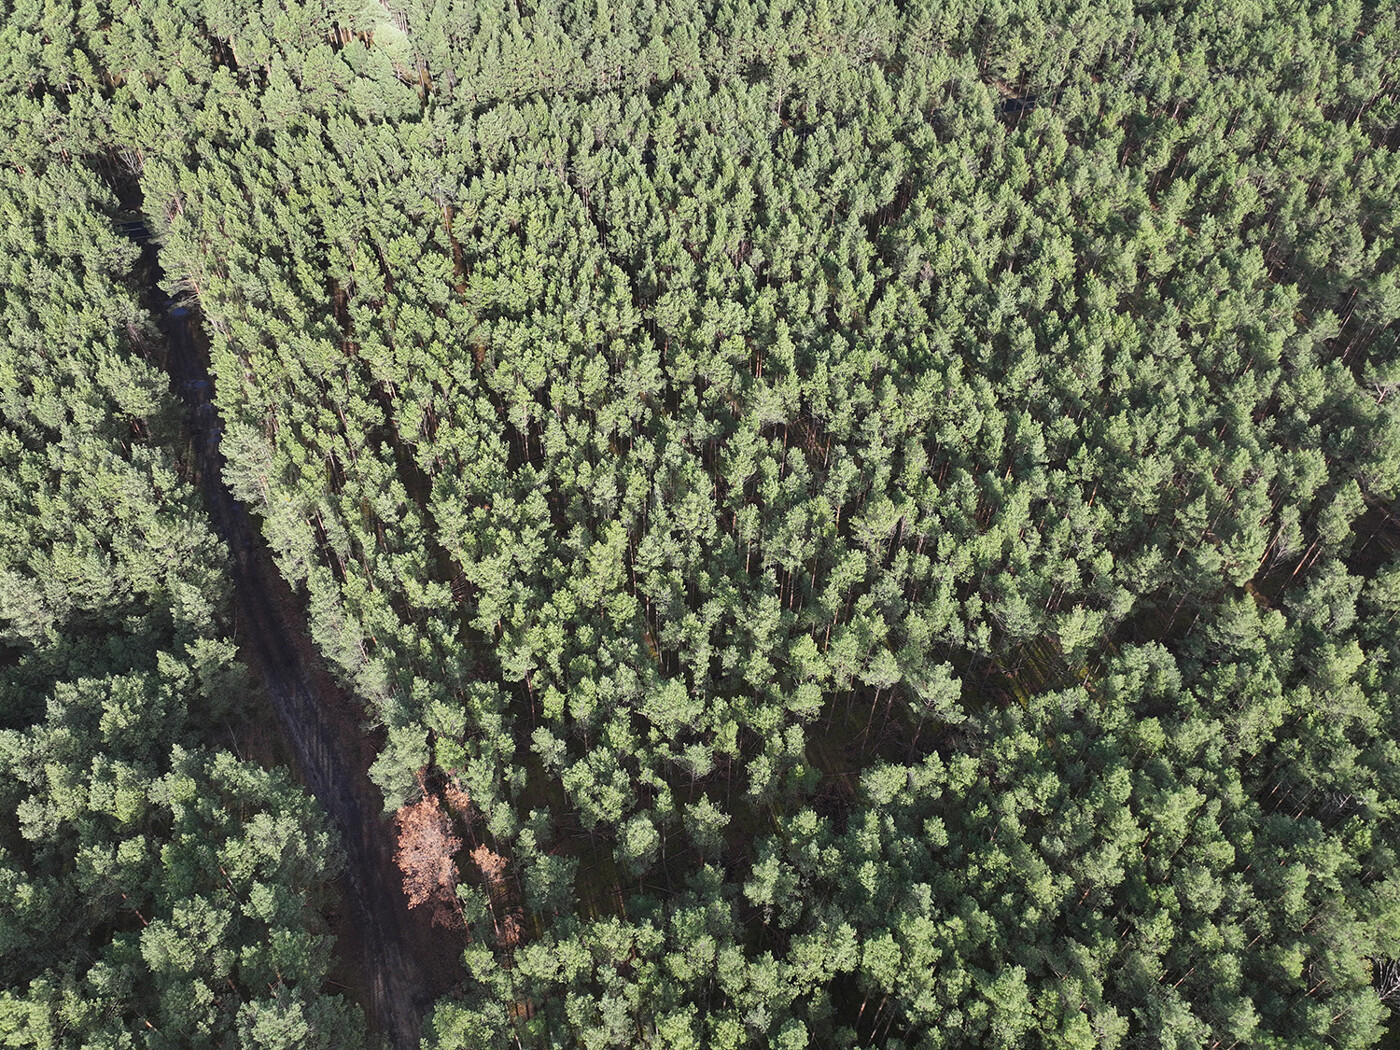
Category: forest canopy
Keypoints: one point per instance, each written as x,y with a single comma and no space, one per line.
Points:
155,890
877,521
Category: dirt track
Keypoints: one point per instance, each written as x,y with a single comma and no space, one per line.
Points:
405,964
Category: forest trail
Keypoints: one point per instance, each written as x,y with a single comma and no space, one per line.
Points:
404,964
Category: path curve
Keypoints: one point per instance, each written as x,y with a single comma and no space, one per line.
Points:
313,716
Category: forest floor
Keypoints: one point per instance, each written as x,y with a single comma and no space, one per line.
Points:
391,959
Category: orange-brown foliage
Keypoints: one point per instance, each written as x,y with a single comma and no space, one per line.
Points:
492,866
424,855
459,800
509,928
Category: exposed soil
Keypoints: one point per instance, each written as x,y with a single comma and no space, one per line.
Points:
395,961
